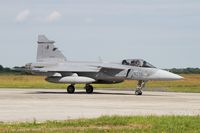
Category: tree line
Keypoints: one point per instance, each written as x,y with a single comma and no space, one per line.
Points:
185,70
174,70
5,69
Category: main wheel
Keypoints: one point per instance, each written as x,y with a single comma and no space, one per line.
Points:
89,89
138,92
71,89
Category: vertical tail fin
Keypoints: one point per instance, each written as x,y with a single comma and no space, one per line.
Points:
47,51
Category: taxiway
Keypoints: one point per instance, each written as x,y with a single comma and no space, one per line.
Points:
56,104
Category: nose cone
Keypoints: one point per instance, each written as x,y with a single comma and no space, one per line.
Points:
165,75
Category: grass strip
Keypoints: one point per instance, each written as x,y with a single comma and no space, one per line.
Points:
150,124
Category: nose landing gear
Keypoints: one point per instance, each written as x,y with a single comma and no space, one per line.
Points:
140,86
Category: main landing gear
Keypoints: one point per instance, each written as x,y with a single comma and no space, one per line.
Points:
139,88
71,89
89,89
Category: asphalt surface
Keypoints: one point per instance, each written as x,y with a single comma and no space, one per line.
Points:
44,104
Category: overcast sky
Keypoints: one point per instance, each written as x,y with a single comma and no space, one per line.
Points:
164,32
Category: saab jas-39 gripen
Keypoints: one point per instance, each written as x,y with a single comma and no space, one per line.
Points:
53,64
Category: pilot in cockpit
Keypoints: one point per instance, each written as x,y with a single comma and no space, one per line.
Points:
144,64
136,63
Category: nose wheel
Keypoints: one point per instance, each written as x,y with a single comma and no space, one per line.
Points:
89,89
140,86
138,92
71,89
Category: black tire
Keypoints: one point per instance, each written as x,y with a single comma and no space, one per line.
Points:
71,89
89,89
138,92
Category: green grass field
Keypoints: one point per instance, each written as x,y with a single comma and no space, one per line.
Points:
191,83
150,124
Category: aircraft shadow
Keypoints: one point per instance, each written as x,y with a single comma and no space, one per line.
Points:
78,93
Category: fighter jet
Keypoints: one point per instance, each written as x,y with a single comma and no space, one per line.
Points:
57,69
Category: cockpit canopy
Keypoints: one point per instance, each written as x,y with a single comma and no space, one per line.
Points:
137,63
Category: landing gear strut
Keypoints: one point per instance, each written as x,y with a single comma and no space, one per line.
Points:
71,89
89,88
139,88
